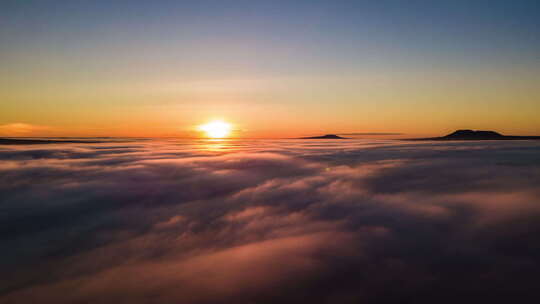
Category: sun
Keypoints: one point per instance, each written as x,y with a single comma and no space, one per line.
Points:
216,129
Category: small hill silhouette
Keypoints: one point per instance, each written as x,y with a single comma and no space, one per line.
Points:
478,135
327,136
471,134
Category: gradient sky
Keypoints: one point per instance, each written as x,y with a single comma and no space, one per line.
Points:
272,68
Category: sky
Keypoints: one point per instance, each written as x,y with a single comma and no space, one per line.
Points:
270,221
270,68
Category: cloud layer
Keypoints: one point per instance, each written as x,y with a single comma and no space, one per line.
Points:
270,222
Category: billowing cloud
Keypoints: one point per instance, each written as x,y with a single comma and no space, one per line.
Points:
270,222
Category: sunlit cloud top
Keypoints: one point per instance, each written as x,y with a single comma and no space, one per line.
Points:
241,221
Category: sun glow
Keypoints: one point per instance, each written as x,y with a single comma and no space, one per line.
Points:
216,129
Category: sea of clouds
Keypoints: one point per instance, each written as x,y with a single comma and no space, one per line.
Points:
270,221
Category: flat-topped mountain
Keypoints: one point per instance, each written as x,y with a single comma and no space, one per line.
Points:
478,135
471,134
327,136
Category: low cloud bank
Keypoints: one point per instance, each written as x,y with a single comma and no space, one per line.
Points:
270,222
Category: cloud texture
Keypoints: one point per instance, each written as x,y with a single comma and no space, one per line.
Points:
270,222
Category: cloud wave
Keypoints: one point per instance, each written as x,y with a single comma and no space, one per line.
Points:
270,222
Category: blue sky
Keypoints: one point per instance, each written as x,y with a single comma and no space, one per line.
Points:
80,55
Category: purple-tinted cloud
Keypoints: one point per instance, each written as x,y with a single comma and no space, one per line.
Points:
270,222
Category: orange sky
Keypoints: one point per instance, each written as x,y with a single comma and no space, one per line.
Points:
166,70
274,107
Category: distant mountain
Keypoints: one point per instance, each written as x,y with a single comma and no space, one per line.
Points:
478,135
327,136
471,134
